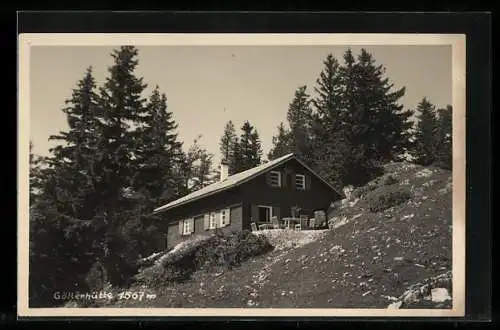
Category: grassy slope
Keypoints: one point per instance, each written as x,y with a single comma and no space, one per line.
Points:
357,265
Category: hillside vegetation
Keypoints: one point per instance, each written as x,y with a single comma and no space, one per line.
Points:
391,248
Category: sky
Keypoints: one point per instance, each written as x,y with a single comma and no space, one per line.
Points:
206,86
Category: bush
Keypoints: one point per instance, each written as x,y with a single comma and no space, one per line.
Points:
363,190
217,251
387,196
230,250
388,180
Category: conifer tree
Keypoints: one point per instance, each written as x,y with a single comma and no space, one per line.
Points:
299,117
328,139
157,152
196,168
250,147
426,135
237,163
382,122
255,157
62,242
281,143
227,146
444,138
123,107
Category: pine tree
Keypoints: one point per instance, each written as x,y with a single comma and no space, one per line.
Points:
196,168
383,123
328,140
203,170
299,117
75,154
237,163
250,147
62,242
227,146
426,135
255,149
157,152
444,155
281,143
34,174
123,108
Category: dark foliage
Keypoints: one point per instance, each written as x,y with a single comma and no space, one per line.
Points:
389,179
385,197
219,251
91,200
362,191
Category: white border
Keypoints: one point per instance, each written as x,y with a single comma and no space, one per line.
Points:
67,39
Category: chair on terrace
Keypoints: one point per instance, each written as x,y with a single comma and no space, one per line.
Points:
275,222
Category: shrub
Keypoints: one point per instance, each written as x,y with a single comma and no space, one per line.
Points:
388,180
218,251
386,197
363,190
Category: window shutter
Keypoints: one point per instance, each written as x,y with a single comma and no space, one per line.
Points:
228,216
181,227
268,178
218,220
191,225
255,214
308,179
206,221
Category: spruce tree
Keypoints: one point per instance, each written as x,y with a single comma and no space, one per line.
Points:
328,138
157,151
444,155
426,135
196,168
250,147
281,143
384,123
227,145
299,117
237,163
123,107
62,240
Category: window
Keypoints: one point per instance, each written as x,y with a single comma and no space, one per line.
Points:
213,222
223,217
187,226
186,230
300,181
275,178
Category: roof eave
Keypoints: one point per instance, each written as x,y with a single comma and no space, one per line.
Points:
160,209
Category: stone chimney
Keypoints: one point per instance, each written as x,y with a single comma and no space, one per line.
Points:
224,171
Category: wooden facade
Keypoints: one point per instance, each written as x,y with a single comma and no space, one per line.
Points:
256,200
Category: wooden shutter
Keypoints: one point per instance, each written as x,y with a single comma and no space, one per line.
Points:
254,214
276,212
218,220
206,221
228,216
308,179
191,225
181,227
268,178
